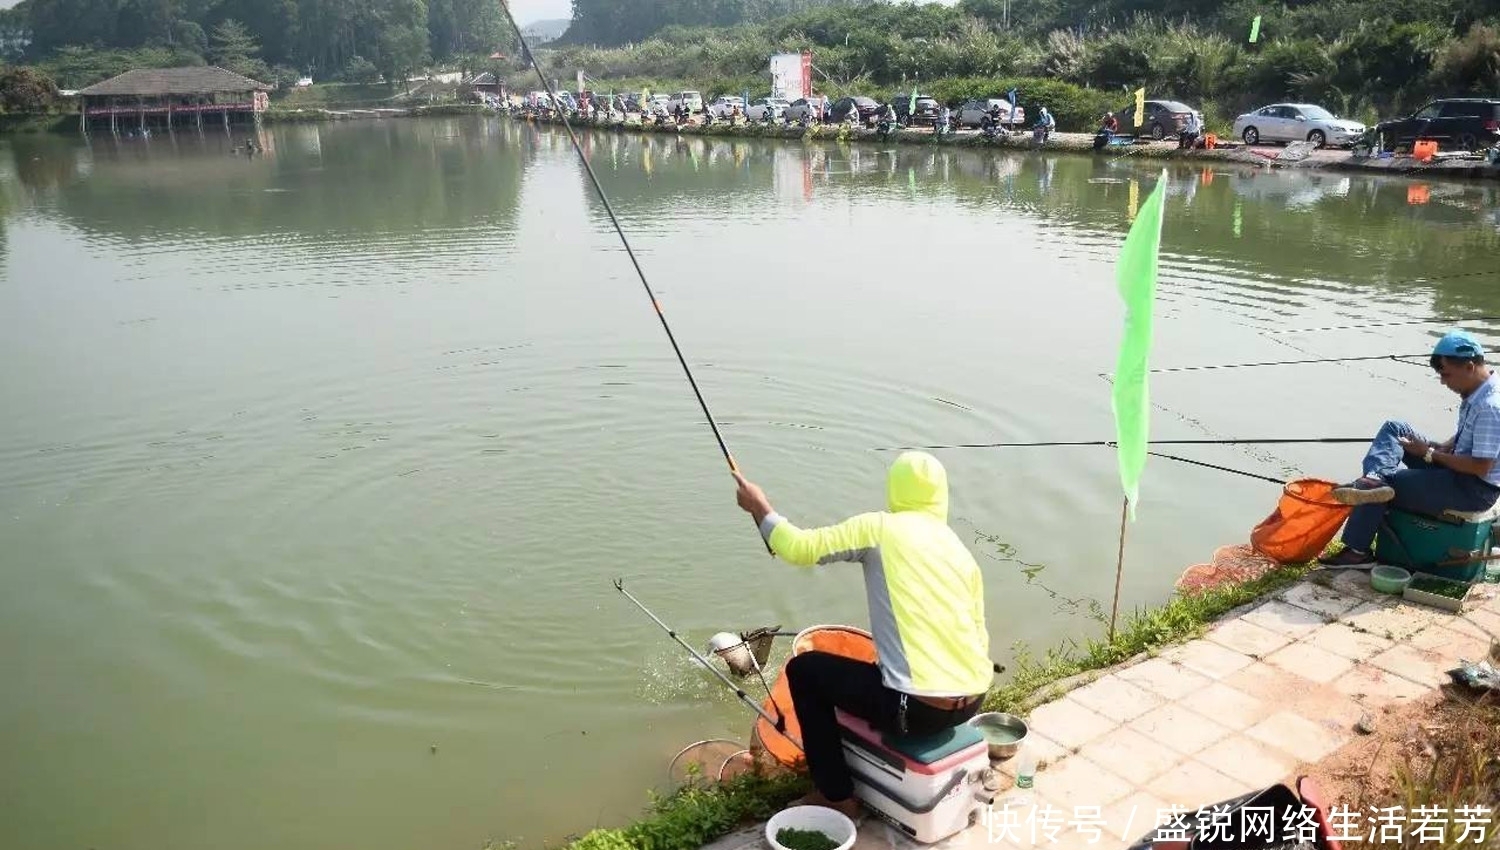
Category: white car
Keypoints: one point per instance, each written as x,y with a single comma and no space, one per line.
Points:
972,112
758,108
1296,122
691,99
725,105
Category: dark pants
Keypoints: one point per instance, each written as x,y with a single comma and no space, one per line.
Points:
821,682
1420,487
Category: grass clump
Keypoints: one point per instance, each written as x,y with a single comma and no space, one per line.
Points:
698,813
1449,802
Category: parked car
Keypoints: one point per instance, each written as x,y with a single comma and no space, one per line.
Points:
693,100
867,109
1457,123
926,112
971,113
758,108
725,105
810,108
1162,118
1295,122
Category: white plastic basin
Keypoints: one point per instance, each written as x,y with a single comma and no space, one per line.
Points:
836,825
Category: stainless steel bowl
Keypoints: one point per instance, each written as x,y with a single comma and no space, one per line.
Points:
997,725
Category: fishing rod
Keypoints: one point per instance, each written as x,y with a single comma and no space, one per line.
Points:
779,722
1207,465
614,220
1396,358
1285,441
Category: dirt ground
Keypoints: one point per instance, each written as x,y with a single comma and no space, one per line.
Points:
1380,768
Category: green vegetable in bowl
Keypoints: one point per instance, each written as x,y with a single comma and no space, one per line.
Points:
805,839
1440,587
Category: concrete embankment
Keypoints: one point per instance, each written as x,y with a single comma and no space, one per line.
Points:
1259,155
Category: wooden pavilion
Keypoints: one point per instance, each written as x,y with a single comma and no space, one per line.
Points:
168,96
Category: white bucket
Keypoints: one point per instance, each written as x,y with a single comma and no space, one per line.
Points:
836,825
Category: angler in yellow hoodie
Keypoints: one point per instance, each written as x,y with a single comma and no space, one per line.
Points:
926,600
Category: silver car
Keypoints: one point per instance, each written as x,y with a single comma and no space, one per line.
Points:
1296,122
972,112
761,105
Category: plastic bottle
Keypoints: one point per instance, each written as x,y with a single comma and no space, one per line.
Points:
1026,767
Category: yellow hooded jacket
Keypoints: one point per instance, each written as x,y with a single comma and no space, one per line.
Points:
925,592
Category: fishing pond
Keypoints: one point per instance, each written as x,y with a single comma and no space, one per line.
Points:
317,465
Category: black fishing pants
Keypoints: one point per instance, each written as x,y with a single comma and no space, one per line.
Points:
821,682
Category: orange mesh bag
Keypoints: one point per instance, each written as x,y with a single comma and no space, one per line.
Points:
839,640
1305,520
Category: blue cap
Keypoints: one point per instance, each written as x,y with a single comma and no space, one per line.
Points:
1458,344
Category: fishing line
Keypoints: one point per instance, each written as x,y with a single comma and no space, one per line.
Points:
1396,358
1049,444
609,209
1430,320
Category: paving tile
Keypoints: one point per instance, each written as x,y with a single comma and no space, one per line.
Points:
1297,736
1239,757
1466,626
1193,784
1319,600
1291,692
1229,706
1164,678
1177,727
1485,619
1080,781
1131,755
1116,698
1247,638
1131,818
1422,667
1450,644
1310,662
1341,639
1393,621
1069,723
1286,619
1373,687
1356,583
1208,658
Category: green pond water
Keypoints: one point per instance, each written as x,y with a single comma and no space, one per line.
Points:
316,467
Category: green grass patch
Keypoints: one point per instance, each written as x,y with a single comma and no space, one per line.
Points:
698,813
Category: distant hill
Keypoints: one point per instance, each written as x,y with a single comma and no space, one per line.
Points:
540,32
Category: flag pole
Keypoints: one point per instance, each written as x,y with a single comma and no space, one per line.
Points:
1114,611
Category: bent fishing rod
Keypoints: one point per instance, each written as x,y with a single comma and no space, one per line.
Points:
778,723
1406,359
614,220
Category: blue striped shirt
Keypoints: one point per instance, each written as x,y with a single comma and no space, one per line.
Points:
1479,427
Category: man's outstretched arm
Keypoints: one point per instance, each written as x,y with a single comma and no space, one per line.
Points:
846,541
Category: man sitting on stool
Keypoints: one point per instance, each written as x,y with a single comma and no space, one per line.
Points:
926,602
1460,474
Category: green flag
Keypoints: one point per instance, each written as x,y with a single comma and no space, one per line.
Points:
911,106
1136,277
1255,30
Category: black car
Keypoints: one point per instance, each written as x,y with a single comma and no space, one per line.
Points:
1457,123
868,109
926,112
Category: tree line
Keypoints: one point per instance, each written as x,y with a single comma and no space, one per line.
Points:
80,42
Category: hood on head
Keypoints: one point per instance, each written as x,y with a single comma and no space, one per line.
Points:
918,482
